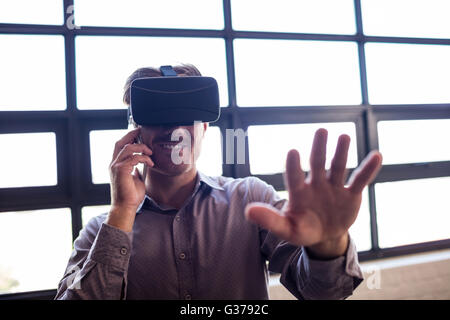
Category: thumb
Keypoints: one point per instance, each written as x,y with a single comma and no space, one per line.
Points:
269,218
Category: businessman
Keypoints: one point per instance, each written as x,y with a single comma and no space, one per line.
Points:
175,233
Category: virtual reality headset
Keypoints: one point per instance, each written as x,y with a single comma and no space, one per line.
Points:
173,100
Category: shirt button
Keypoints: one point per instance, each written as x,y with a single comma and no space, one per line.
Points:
182,256
123,251
188,297
177,218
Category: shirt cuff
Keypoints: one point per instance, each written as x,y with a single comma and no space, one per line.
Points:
347,263
112,247
342,272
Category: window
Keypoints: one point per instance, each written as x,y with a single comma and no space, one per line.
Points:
193,14
406,18
33,74
89,212
39,246
407,73
413,211
360,229
31,11
319,16
104,63
401,142
33,157
289,73
271,143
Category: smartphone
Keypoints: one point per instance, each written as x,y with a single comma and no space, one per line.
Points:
142,167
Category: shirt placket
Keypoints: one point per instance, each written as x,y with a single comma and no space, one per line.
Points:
183,257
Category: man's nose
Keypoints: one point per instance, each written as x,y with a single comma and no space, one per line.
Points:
168,129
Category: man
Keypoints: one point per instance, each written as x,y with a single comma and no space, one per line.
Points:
176,233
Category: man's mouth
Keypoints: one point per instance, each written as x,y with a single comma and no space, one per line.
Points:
166,144
170,145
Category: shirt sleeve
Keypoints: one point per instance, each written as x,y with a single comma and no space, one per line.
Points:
304,277
98,266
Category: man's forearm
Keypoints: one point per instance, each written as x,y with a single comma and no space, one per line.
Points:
103,268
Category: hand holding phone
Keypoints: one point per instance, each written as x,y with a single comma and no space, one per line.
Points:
127,186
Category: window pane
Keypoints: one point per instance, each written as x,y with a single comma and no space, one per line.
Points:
269,144
360,230
305,16
413,211
193,14
31,11
407,73
104,64
36,246
89,212
291,72
32,73
102,147
210,159
406,18
410,141
16,167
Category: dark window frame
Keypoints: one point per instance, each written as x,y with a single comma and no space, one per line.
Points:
71,126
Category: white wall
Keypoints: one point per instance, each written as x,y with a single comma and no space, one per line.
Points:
419,276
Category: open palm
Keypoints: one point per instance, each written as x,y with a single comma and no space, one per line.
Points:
320,208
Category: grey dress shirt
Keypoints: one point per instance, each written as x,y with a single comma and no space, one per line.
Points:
205,250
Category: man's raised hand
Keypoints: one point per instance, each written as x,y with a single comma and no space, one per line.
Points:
320,209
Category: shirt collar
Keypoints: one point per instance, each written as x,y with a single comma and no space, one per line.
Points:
209,181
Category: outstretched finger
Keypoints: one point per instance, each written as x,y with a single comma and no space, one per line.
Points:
339,162
366,172
318,155
268,218
294,177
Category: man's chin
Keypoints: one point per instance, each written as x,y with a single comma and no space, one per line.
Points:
173,170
